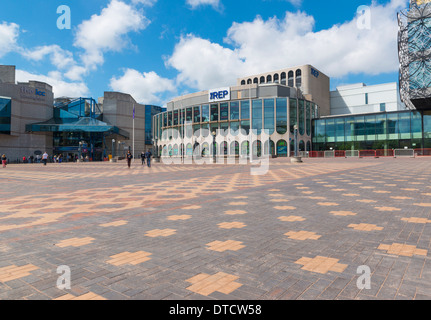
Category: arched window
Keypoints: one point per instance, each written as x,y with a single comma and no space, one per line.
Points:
205,149
243,82
249,81
301,146
276,78
291,79
189,150
257,149
245,148
256,80
269,148
282,148
283,78
170,150
298,78
175,151
234,148
224,148
269,79
262,79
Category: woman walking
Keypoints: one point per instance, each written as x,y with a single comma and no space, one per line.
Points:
4,160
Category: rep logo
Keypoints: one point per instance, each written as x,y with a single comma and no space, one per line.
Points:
222,94
315,73
40,93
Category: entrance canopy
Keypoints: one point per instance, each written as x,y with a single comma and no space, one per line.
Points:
88,125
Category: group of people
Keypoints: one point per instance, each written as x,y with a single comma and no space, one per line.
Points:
145,157
44,159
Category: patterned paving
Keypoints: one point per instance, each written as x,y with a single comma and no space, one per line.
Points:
216,231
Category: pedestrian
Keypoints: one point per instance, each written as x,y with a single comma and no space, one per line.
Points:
4,160
143,157
45,158
24,159
148,155
129,158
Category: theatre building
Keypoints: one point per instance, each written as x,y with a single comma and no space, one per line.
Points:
231,121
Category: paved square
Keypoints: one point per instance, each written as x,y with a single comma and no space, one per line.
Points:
216,232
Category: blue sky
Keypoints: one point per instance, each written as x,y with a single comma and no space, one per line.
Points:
159,49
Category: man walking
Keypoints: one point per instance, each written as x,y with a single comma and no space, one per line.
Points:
148,155
143,155
45,158
4,160
129,158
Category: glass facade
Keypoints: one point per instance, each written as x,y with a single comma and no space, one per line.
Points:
5,115
394,130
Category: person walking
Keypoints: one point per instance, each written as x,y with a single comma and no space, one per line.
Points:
4,160
45,158
143,156
148,155
129,158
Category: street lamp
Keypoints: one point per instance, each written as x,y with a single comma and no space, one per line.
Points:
296,158
113,149
214,146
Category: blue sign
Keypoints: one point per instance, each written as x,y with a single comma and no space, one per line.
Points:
315,73
222,94
40,93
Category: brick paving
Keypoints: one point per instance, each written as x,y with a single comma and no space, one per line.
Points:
216,232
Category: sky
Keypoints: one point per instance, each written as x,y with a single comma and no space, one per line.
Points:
157,50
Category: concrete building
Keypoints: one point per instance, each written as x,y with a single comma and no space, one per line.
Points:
20,105
360,98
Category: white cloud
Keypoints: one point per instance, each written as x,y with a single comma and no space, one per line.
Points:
108,32
197,3
59,57
9,33
145,88
60,87
264,45
147,3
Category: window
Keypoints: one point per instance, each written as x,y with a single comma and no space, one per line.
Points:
245,127
293,114
256,80
243,82
291,79
234,110
205,113
283,78
176,115
214,112
282,148
269,79
262,79
269,115
382,107
276,78
245,110
196,114
169,118
234,128
298,78
5,115
281,106
256,121
308,118
366,98
189,115
301,113
224,111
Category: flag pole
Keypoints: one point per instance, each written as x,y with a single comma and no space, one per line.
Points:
133,132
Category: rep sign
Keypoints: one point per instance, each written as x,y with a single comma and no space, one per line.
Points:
221,94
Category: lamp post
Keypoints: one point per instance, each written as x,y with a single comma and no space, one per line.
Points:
296,158
113,151
214,147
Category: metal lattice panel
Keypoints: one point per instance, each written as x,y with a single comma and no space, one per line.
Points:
414,46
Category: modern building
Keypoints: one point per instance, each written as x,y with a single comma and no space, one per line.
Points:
21,104
230,121
32,122
360,98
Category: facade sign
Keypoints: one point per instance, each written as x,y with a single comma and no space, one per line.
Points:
315,73
221,94
32,94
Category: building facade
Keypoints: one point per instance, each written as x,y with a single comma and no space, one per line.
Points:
250,118
20,105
